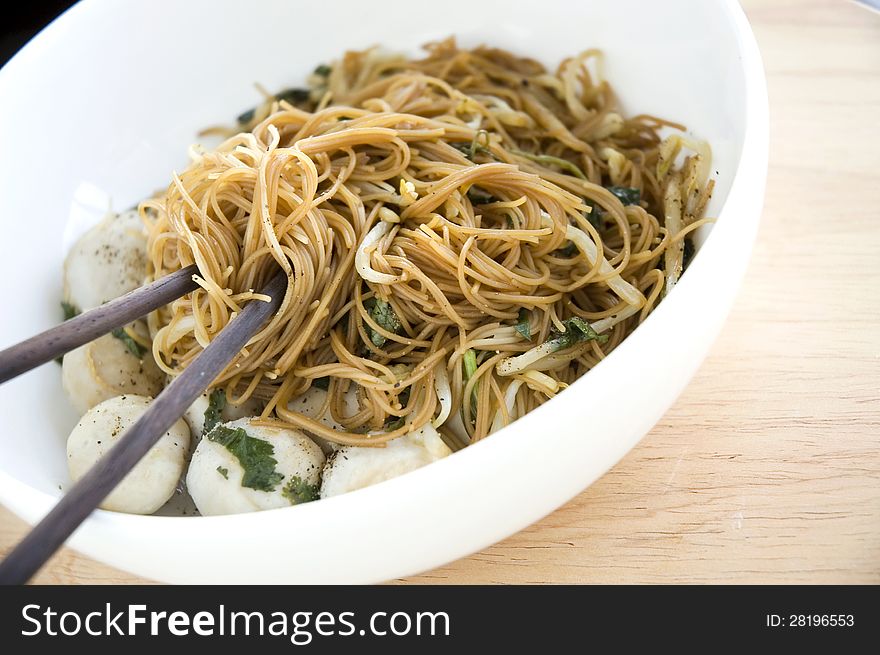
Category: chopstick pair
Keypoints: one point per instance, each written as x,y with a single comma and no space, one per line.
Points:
73,508
94,323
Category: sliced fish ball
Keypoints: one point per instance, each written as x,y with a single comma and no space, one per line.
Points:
108,367
356,467
150,484
281,467
106,262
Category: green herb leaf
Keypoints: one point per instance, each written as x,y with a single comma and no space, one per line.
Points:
222,470
568,250
689,252
523,326
594,216
479,197
216,403
133,346
383,314
69,310
297,491
254,455
577,330
403,396
323,70
394,423
294,96
626,194
322,383
246,117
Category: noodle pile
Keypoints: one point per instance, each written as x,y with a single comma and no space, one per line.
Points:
463,236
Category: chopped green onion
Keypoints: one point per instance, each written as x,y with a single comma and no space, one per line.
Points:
548,160
470,364
470,150
470,368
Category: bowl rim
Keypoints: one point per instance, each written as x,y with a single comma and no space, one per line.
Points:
31,504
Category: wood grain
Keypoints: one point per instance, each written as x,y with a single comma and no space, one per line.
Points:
767,469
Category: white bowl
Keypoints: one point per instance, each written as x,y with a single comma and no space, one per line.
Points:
103,104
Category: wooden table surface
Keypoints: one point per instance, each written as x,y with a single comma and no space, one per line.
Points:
767,469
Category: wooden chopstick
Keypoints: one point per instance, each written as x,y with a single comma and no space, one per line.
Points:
50,533
94,323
